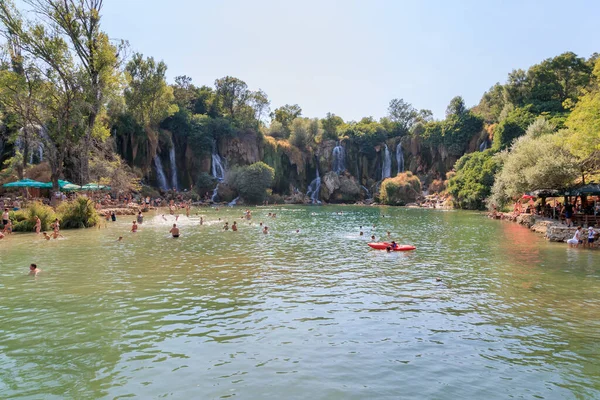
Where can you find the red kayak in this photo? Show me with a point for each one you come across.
(384, 245)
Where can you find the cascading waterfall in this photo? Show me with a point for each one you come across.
(386, 168)
(400, 157)
(173, 169)
(160, 173)
(483, 146)
(366, 191)
(314, 189)
(218, 170)
(338, 159)
(233, 202)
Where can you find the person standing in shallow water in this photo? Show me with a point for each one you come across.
(134, 227)
(234, 226)
(174, 231)
(38, 225)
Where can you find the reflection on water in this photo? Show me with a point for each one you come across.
(314, 314)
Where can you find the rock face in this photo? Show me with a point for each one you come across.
(559, 232)
(339, 188)
(242, 150)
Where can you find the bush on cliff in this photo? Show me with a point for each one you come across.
(403, 189)
(252, 181)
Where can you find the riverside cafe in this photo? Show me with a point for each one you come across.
(33, 188)
(585, 198)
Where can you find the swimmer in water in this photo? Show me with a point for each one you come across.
(266, 230)
(389, 234)
(361, 233)
(34, 270)
(120, 238)
(234, 226)
(261, 224)
(388, 249)
(226, 226)
(38, 224)
(134, 227)
(297, 230)
(372, 237)
(174, 231)
(46, 236)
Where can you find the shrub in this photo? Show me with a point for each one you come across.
(473, 181)
(24, 220)
(78, 213)
(404, 188)
(252, 181)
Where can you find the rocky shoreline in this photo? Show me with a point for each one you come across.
(552, 230)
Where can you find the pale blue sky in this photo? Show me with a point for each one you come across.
(352, 57)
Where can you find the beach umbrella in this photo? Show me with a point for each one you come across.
(61, 184)
(70, 187)
(24, 183)
(95, 186)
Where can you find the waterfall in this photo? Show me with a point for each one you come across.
(173, 169)
(213, 198)
(233, 202)
(218, 170)
(386, 168)
(367, 191)
(218, 165)
(160, 173)
(400, 157)
(314, 189)
(483, 145)
(41, 152)
(338, 159)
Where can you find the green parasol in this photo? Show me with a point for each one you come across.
(25, 183)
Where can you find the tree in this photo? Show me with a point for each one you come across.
(232, 94)
(149, 99)
(330, 125)
(491, 104)
(456, 107)
(472, 183)
(77, 22)
(252, 181)
(403, 114)
(533, 163)
(512, 127)
(285, 115)
(259, 101)
(584, 121)
(60, 92)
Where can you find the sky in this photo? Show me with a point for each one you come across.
(352, 57)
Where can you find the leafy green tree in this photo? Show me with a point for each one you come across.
(533, 163)
(403, 114)
(60, 94)
(584, 121)
(456, 107)
(285, 115)
(252, 181)
(148, 97)
(232, 94)
(472, 183)
(512, 127)
(491, 104)
(330, 124)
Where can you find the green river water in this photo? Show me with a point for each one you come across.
(309, 315)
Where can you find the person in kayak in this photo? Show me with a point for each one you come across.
(394, 245)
